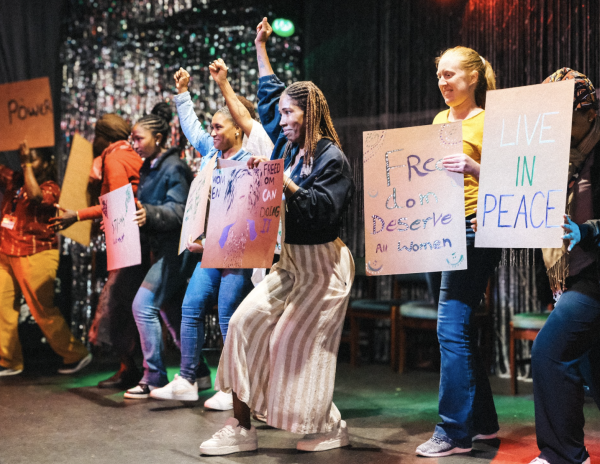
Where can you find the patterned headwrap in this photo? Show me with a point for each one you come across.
(113, 128)
(585, 93)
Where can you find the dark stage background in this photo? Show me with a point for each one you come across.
(373, 61)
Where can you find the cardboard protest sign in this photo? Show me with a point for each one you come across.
(194, 216)
(524, 166)
(26, 113)
(244, 216)
(74, 193)
(414, 208)
(122, 234)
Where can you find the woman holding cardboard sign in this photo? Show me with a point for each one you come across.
(466, 405)
(572, 328)
(207, 286)
(281, 349)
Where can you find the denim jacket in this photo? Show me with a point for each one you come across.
(196, 135)
(163, 192)
(314, 211)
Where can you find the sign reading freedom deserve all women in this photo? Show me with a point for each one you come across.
(524, 166)
(244, 216)
(414, 208)
(194, 217)
(122, 233)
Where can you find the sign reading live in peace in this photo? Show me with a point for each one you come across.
(26, 113)
(243, 222)
(524, 166)
(414, 208)
(194, 217)
(122, 233)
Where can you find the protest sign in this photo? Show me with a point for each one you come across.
(194, 216)
(244, 216)
(74, 193)
(414, 208)
(524, 166)
(122, 233)
(26, 113)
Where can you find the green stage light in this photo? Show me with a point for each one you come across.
(283, 27)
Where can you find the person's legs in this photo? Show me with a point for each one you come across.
(11, 356)
(570, 331)
(235, 285)
(466, 405)
(201, 294)
(36, 274)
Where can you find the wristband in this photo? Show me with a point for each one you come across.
(25, 164)
(77, 214)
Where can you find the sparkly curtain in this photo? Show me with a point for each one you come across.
(120, 57)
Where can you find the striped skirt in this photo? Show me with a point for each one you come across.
(281, 349)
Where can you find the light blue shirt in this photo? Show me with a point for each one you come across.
(197, 136)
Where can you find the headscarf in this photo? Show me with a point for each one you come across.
(113, 128)
(585, 93)
(584, 98)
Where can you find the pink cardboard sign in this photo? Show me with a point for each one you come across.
(244, 216)
(414, 208)
(524, 166)
(26, 113)
(122, 234)
(194, 216)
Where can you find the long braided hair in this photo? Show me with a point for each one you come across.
(312, 102)
(158, 122)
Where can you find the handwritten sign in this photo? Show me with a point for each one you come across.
(524, 166)
(122, 234)
(26, 113)
(414, 208)
(194, 216)
(244, 216)
(74, 191)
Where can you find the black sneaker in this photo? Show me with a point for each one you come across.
(139, 392)
(436, 447)
(76, 366)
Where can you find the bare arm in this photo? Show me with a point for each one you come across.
(263, 32)
(218, 71)
(32, 188)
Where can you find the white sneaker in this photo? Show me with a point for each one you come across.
(481, 436)
(543, 461)
(178, 389)
(7, 371)
(232, 438)
(337, 438)
(220, 401)
(204, 383)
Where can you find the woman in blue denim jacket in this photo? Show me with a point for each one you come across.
(228, 287)
(280, 355)
(164, 184)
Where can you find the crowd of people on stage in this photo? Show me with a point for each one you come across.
(281, 335)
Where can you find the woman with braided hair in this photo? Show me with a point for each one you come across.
(280, 354)
(164, 185)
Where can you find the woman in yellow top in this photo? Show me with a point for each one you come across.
(466, 405)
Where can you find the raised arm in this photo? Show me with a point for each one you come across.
(263, 32)
(192, 128)
(34, 192)
(218, 71)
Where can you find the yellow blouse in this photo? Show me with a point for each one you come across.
(472, 131)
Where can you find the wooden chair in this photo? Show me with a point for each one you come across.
(414, 315)
(371, 308)
(524, 326)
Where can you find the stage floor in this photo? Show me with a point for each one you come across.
(58, 419)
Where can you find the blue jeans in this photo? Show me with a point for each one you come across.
(165, 279)
(570, 332)
(466, 405)
(229, 287)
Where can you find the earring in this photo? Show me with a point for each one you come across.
(157, 144)
(237, 134)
